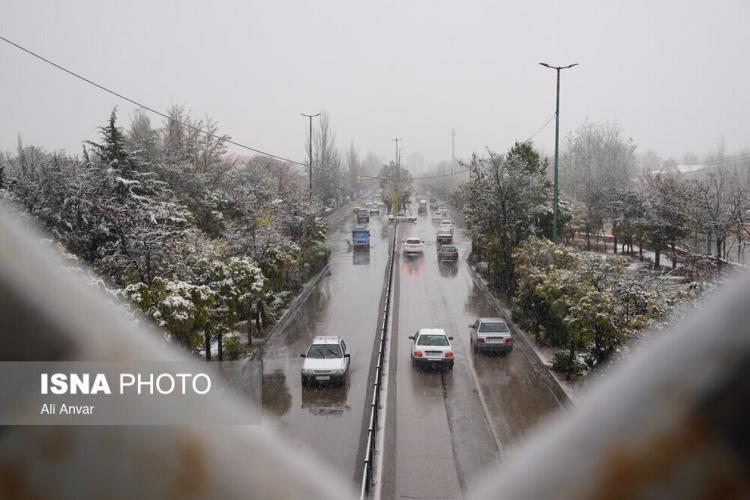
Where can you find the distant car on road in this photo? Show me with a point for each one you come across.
(444, 235)
(363, 215)
(374, 209)
(433, 203)
(402, 217)
(412, 245)
(446, 223)
(448, 253)
(437, 215)
(431, 347)
(422, 207)
(327, 360)
(490, 334)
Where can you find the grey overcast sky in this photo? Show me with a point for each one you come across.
(674, 74)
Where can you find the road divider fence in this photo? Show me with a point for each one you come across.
(367, 466)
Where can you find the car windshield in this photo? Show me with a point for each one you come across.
(448, 249)
(493, 327)
(436, 340)
(413, 241)
(324, 351)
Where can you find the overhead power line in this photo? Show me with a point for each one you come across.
(437, 176)
(148, 108)
(541, 128)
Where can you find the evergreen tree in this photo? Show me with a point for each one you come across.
(112, 149)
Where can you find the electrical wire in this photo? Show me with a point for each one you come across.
(148, 108)
(541, 128)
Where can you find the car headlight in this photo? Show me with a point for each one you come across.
(307, 371)
(338, 371)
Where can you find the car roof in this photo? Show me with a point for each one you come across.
(492, 320)
(414, 238)
(432, 331)
(326, 339)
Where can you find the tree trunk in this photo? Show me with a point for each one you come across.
(220, 340)
(249, 327)
(207, 335)
(674, 256)
(614, 246)
(257, 318)
(719, 242)
(640, 251)
(657, 258)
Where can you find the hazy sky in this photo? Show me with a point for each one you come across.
(674, 74)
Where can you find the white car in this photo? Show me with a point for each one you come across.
(401, 216)
(444, 235)
(446, 223)
(327, 360)
(431, 347)
(490, 334)
(412, 245)
(437, 215)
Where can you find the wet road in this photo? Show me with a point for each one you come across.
(444, 429)
(346, 303)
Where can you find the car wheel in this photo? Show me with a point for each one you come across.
(450, 365)
(474, 348)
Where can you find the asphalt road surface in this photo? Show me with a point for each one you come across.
(329, 419)
(445, 428)
(442, 429)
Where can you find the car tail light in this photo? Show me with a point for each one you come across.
(480, 340)
(417, 354)
(509, 340)
(449, 354)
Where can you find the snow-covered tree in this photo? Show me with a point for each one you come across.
(506, 199)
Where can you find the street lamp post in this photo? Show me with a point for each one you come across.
(398, 155)
(310, 117)
(557, 142)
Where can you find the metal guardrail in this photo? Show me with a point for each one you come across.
(375, 403)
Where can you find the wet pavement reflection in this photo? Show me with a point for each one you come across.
(328, 419)
(451, 425)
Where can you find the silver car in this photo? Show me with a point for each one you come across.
(490, 334)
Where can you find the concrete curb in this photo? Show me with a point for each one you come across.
(294, 305)
(334, 217)
(563, 395)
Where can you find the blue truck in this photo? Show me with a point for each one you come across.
(360, 237)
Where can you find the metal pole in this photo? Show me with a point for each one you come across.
(398, 155)
(310, 117)
(557, 141)
(555, 192)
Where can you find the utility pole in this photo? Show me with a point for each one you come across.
(398, 154)
(453, 145)
(555, 195)
(311, 157)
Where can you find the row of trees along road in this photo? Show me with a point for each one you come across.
(584, 304)
(656, 210)
(200, 240)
